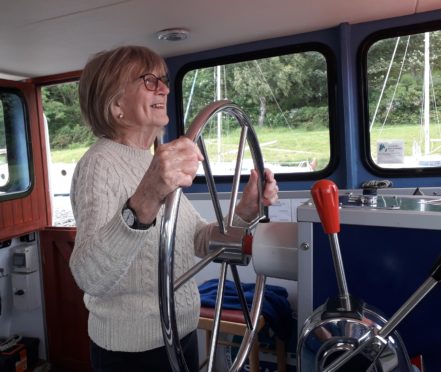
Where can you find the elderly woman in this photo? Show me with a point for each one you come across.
(118, 190)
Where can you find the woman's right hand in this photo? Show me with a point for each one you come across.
(174, 165)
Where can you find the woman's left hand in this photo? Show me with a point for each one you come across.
(248, 207)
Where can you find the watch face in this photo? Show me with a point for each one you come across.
(128, 217)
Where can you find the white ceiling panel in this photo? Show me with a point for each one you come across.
(42, 37)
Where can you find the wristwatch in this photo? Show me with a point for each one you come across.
(131, 219)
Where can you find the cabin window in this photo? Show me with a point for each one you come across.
(403, 93)
(15, 171)
(286, 98)
(69, 138)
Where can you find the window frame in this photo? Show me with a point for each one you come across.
(331, 64)
(365, 144)
(44, 83)
(26, 139)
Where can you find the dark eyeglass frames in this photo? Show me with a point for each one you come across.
(151, 81)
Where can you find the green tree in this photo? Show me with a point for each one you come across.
(402, 76)
(62, 110)
(286, 91)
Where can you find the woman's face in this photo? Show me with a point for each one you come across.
(144, 109)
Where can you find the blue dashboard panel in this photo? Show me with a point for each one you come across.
(384, 266)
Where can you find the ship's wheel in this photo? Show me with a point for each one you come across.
(232, 246)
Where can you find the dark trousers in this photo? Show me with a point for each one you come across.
(145, 361)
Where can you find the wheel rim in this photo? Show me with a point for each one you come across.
(167, 283)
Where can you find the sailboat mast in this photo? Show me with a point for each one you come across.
(426, 86)
(219, 115)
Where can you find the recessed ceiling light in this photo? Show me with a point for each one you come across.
(173, 34)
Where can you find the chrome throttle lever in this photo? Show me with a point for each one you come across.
(373, 345)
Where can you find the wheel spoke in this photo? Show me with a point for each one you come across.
(237, 172)
(242, 299)
(198, 267)
(217, 315)
(211, 185)
(250, 334)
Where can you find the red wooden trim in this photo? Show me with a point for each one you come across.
(44, 154)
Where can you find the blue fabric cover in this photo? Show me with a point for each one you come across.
(275, 307)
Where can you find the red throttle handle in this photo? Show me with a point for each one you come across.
(325, 195)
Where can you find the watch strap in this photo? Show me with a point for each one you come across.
(143, 226)
(136, 224)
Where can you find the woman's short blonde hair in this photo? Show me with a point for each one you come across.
(103, 80)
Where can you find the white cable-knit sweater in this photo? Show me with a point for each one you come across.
(117, 267)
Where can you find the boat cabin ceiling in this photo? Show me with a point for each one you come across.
(46, 37)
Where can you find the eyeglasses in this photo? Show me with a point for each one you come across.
(151, 81)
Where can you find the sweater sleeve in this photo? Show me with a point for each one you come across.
(104, 246)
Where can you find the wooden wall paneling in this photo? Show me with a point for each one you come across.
(66, 315)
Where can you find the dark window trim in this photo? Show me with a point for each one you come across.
(268, 53)
(366, 157)
(10, 195)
